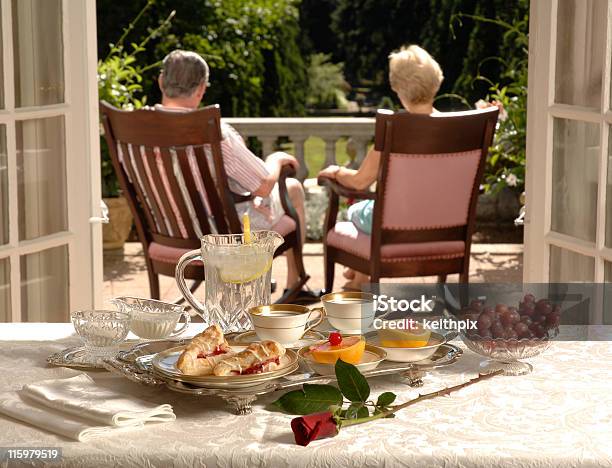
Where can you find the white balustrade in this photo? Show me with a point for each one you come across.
(359, 130)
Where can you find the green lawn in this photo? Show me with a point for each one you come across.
(314, 152)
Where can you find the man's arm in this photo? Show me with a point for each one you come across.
(274, 164)
(248, 170)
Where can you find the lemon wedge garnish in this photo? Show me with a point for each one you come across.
(243, 268)
(246, 228)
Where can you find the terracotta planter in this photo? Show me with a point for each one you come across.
(115, 233)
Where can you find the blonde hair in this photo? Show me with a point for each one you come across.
(414, 75)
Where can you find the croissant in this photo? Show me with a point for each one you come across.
(255, 359)
(204, 352)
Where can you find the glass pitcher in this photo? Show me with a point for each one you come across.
(237, 277)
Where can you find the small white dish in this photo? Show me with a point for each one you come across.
(371, 359)
(152, 319)
(409, 354)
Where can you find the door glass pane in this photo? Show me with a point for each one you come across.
(44, 286)
(574, 178)
(38, 52)
(609, 194)
(580, 51)
(581, 25)
(5, 290)
(4, 220)
(41, 169)
(567, 266)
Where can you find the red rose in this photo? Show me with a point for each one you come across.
(313, 426)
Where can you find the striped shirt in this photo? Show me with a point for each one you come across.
(245, 172)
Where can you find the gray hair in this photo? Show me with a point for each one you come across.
(182, 72)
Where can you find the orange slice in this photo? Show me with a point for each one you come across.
(350, 350)
(416, 338)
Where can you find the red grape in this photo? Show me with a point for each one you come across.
(522, 330)
(538, 318)
(497, 330)
(529, 298)
(543, 307)
(526, 319)
(476, 305)
(538, 330)
(510, 334)
(490, 311)
(501, 309)
(513, 315)
(528, 309)
(484, 322)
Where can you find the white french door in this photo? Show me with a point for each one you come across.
(50, 261)
(568, 228)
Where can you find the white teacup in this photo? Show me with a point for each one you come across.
(284, 323)
(350, 312)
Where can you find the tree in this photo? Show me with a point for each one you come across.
(252, 47)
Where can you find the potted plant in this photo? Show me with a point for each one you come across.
(119, 83)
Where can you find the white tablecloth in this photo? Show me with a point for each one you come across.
(559, 415)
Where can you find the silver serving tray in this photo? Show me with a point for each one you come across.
(75, 357)
(136, 365)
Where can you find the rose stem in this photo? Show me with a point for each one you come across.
(426, 396)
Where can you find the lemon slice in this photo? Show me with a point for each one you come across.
(244, 268)
(416, 338)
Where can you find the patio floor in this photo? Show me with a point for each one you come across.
(125, 272)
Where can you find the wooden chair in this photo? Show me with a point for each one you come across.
(160, 158)
(425, 201)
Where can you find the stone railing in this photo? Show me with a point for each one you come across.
(359, 130)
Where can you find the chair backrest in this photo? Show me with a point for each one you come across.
(430, 173)
(160, 158)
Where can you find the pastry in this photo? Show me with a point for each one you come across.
(204, 352)
(255, 359)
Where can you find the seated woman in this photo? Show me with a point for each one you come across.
(416, 77)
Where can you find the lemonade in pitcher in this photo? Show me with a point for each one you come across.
(238, 273)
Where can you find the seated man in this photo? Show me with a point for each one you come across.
(183, 83)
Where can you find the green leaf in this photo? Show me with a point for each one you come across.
(312, 399)
(352, 384)
(385, 399)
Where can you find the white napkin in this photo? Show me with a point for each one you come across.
(79, 409)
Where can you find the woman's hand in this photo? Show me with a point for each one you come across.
(330, 172)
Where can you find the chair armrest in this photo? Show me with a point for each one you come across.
(287, 171)
(345, 191)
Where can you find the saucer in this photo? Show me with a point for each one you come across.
(246, 338)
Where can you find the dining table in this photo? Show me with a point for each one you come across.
(560, 414)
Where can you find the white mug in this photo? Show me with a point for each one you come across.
(285, 323)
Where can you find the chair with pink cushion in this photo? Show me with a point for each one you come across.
(170, 169)
(425, 199)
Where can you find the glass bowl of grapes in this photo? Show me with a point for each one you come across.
(509, 334)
